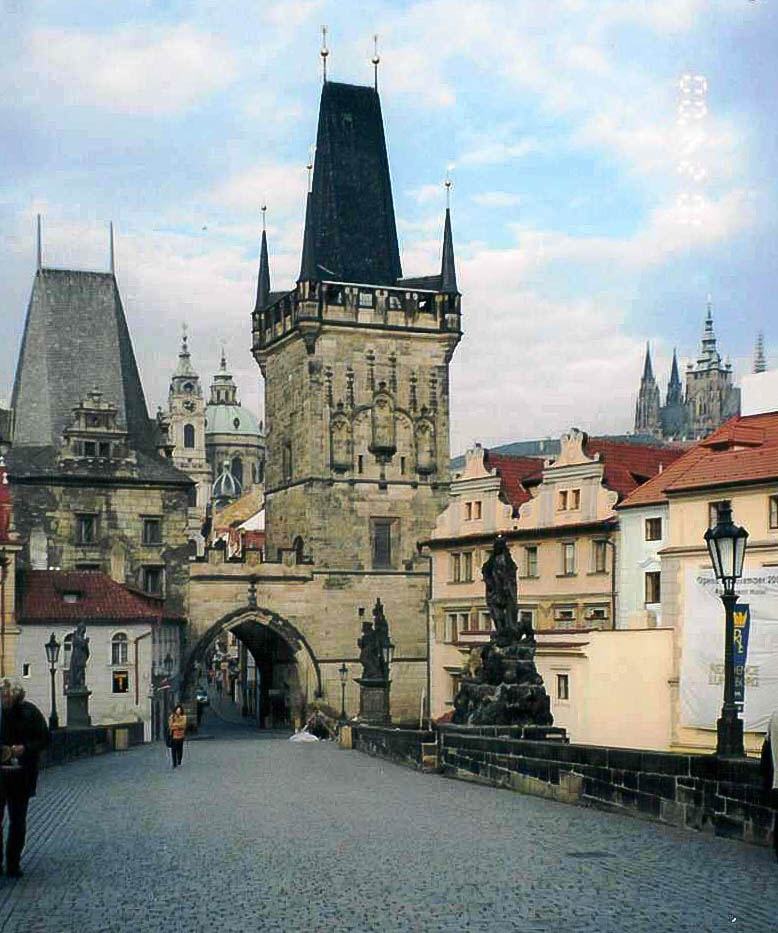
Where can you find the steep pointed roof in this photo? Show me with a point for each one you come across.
(648, 371)
(184, 367)
(350, 229)
(75, 337)
(448, 272)
(263, 279)
(675, 379)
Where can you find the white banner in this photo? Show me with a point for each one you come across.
(702, 664)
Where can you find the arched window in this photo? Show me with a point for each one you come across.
(119, 648)
(237, 469)
(189, 436)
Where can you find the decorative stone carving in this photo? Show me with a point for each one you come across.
(383, 441)
(341, 446)
(424, 431)
(505, 688)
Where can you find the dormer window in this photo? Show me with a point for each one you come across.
(71, 596)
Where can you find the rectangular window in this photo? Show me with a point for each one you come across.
(26, 669)
(86, 529)
(575, 499)
(152, 531)
(653, 589)
(120, 681)
(562, 501)
(484, 620)
(468, 511)
(653, 529)
(563, 686)
(477, 510)
(89, 449)
(152, 580)
(88, 566)
(774, 511)
(402, 466)
(360, 463)
(450, 633)
(527, 616)
(568, 558)
(382, 542)
(105, 449)
(599, 555)
(455, 567)
(564, 614)
(531, 561)
(713, 510)
(467, 566)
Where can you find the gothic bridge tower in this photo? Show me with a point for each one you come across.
(355, 359)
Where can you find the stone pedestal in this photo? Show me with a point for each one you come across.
(507, 691)
(78, 708)
(374, 700)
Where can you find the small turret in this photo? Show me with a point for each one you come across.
(263, 280)
(760, 363)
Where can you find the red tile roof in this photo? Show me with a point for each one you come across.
(627, 465)
(512, 471)
(744, 450)
(99, 599)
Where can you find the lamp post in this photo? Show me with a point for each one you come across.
(727, 548)
(387, 654)
(52, 656)
(343, 671)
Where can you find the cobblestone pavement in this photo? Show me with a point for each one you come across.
(255, 833)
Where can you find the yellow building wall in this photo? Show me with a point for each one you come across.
(688, 521)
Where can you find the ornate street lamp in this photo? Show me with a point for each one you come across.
(343, 671)
(167, 663)
(387, 654)
(52, 656)
(727, 548)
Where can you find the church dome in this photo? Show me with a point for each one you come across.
(226, 485)
(223, 418)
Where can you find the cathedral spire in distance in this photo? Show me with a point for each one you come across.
(647, 416)
(674, 387)
(760, 363)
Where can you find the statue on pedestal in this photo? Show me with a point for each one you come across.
(79, 655)
(503, 686)
(370, 653)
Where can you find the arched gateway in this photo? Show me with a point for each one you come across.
(281, 652)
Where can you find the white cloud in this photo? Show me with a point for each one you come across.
(495, 151)
(497, 199)
(136, 69)
(281, 186)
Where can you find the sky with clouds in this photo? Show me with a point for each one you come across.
(599, 196)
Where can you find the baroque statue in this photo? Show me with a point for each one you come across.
(79, 655)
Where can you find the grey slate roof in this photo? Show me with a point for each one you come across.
(75, 338)
(350, 232)
(39, 463)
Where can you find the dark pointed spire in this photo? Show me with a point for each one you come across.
(39, 265)
(263, 280)
(448, 272)
(675, 379)
(648, 371)
(307, 263)
(350, 231)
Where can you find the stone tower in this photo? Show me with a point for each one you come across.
(710, 396)
(186, 411)
(647, 408)
(355, 360)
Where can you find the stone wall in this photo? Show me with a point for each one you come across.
(403, 746)
(68, 744)
(699, 792)
(693, 791)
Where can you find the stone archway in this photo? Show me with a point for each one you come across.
(294, 638)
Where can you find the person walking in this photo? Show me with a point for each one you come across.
(23, 736)
(770, 770)
(177, 727)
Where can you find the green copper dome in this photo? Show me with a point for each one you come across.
(230, 419)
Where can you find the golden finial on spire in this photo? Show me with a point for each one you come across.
(324, 52)
(376, 59)
(264, 211)
(448, 183)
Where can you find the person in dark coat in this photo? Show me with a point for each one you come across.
(23, 736)
(770, 770)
